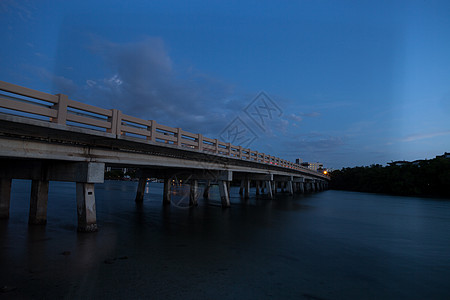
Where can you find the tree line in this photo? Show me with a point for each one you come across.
(424, 178)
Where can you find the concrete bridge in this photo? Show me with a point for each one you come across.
(45, 137)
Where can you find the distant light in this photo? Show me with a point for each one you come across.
(325, 172)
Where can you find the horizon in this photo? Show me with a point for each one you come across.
(337, 83)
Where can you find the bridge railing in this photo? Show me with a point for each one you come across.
(25, 102)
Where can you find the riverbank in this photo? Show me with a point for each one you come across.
(426, 178)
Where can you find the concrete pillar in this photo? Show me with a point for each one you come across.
(283, 187)
(141, 189)
(241, 188)
(229, 189)
(246, 188)
(313, 186)
(87, 216)
(38, 202)
(301, 187)
(257, 183)
(207, 188)
(274, 187)
(289, 188)
(193, 199)
(224, 194)
(5, 197)
(269, 189)
(166, 192)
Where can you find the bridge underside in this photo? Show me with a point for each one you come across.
(54, 152)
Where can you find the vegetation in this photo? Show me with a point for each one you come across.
(423, 178)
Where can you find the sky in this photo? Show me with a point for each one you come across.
(345, 83)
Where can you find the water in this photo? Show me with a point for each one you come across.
(328, 245)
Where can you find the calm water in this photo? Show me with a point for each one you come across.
(328, 245)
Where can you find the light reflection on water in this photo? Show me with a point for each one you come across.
(328, 245)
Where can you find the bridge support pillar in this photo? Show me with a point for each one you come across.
(166, 192)
(246, 188)
(306, 187)
(313, 186)
(38, 202)
(301, 187)
(224, 193)
(206, 190)
(193, 199)
(257, 183)
(290, 188)
(241, 188)
(87, 217)
(5, 197)
(274, 187)
(269, 189)
(141, 189)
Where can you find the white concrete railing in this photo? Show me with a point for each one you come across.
(62, 110)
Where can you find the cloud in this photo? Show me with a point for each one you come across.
(417, 137)
(314, 142)
(311, 114)
(143, 81)
(22, 9)
(299, 117)
(58, 83)
(295, 117)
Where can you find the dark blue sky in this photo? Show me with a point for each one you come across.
(356, 82)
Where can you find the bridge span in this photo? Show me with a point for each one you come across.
(45, 137)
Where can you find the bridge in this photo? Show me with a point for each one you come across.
(46, 137)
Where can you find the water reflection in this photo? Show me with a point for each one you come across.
(328, 245)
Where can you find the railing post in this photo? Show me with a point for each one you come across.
(240, 152)
(216, 142)
(61, 107)
(153, 131)
(149, 129)
(200, 142)
(229, 149)
(116, 122)
(179, 136)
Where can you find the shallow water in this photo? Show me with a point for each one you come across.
(327, 245)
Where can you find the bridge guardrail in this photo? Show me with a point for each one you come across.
(25, 102)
